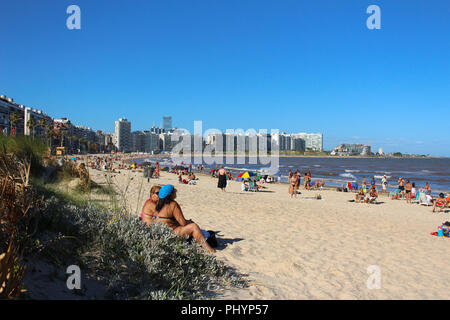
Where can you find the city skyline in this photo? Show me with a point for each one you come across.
(295, 66)
(126, 139)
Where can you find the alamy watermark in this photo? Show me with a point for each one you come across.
(374, 280)
(234, 146)
(374, 20)
(74, 280)
(74, 20)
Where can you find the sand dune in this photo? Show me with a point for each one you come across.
(312, 249)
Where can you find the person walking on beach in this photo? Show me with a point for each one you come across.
(401, 184)
(157, 170)
(279, 175)
(293, 183)
(384, 184)
(222, 174)
(408, 188)
(289, 180)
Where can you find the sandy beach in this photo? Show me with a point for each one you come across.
(311, 249)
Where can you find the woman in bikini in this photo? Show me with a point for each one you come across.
(149, 206)
(168, 211)
(293, 181)
(440, 202)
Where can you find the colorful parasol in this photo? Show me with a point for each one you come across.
(246, 174)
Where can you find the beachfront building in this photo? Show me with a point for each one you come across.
(157, 130)
(351, 149)
(22, 116)
(122, 135)
(165, 142)
(312, 141)
(100, 140)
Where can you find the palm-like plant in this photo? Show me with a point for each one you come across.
(31, 124)
(63, 134)
(49, 132)
(14, 119)
(42, 124)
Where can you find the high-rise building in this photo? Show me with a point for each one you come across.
(167, 123)
(313, 141)
(122, 135)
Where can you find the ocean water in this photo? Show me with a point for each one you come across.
(337, 171)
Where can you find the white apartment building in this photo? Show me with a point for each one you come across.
(313, 141)
(122, 135)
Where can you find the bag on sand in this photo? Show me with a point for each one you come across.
(212, 241)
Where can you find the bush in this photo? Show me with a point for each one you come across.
(140, 262)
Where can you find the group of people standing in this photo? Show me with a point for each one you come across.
(295, 180)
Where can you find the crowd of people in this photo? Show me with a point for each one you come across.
(161, 205)
(294, 180)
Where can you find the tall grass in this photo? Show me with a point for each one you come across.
(16, 203)
(24, 147)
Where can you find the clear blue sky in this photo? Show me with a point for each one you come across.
(297, 66)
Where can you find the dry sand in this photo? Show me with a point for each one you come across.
(311, 249)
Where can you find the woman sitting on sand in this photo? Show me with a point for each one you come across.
(148, 210)
(373, 195)
(440, 202)
(168, 211)
(360, 195)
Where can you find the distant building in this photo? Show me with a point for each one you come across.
(380, 151)
(349, 149)
(122, 135)
(312, 141)
(167, 123)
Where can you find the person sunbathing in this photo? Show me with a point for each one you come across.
(373, 195)
(440, 202)
(148, 210)
(168, 211)
(448, 199)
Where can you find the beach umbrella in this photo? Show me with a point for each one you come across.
(246, 174)
(165, 169)
(179, 168)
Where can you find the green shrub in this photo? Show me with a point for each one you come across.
(140, 262)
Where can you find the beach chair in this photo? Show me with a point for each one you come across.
(252, 186)
(349, 186)
(424, 200)
(355, 186)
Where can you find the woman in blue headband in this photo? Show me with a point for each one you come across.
(168, 211)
